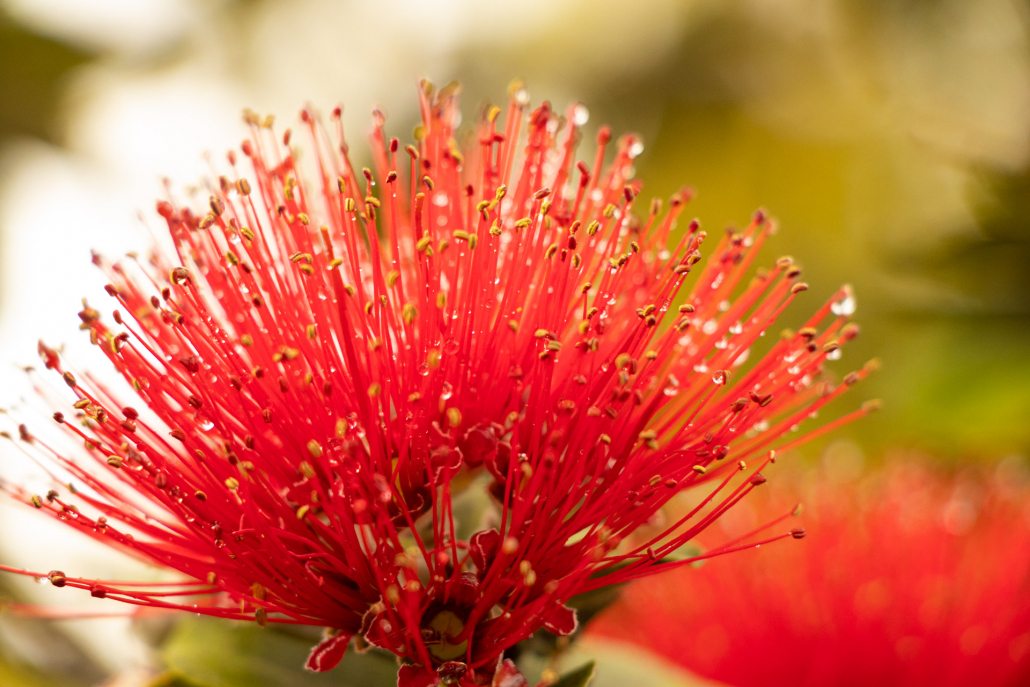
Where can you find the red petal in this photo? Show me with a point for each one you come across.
(483, 548)
(328, 653)
(444, 458)
(507, 675)
(464, 590)
(479, 443)
(416, 676)
(561, 620)
(497, 463)
(383, 634)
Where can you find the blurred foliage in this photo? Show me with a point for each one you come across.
(212, 653)
(609, 663)
(577, 677)
(37, 652)
(19, 676)
(13, 677)
(203, 652)
(32, 72)
(950, 360)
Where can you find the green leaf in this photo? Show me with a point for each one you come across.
(212, 653)
(618, 664)
(579, 677)
(170, 680)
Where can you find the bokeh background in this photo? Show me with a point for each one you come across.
(891, 138)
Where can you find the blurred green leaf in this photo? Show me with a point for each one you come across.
(612, 664)
(579, 677)
(17, 676)
(212, 653)
(171, 680)
(34, 651)
(591, 603)
(31, 72)
(472, 506)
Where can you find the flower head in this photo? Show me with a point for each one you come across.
(331, 355)
(909, 578)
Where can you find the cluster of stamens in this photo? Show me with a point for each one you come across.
(331, 357)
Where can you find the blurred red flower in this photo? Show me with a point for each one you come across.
(909, 578)
(331, 355)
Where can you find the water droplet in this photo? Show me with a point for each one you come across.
(580, 115)
(844, 307)
(710, 326)
(672, 387)
(834, 354)
(742, 358)
(446, 391)
(636, 148)
(719, 377)
(423, 369)
(450, 347)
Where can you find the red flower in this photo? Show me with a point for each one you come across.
(908, 579)
(331, 355)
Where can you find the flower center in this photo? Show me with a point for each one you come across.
(448, 625)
